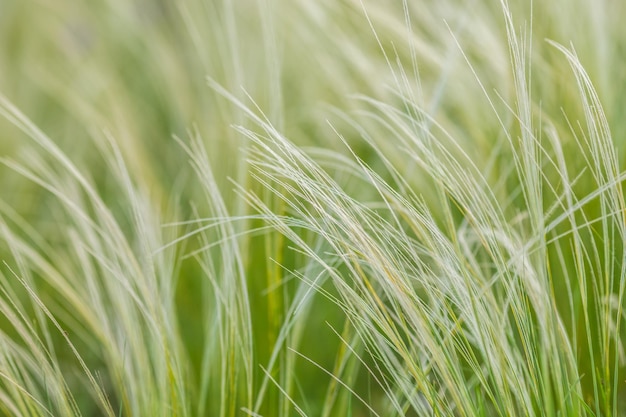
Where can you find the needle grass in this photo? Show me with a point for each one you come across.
(274, 208)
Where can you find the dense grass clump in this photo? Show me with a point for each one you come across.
(315, 208)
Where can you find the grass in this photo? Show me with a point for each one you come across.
(326, 208)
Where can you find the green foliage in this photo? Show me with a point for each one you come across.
(286, 207)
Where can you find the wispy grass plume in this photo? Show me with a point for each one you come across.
(274, 208)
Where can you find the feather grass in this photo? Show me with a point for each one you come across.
(330, 208)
